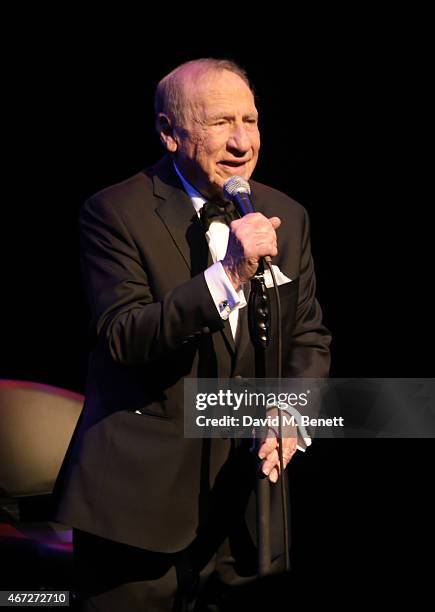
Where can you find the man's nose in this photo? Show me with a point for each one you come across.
(239, 139)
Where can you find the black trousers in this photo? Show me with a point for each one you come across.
(222, 557)
(112, 576)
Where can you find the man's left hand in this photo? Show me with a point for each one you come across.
(269, 451)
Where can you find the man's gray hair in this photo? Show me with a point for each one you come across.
(170, 96)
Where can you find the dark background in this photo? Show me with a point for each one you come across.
(344, 121)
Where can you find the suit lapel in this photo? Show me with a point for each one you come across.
(177, 213)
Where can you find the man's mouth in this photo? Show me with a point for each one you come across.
(233, 164)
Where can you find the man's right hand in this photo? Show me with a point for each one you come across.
(251, 237)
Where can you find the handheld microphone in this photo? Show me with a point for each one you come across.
(238, 190)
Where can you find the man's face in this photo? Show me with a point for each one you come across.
(220, 138)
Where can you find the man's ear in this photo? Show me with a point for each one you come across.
(166, 131)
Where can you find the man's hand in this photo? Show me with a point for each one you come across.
(251, 237)
(269, 451)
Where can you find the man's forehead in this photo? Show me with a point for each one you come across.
(214, 83)
(215, 95)
(215, 108)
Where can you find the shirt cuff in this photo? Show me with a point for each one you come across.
(225, 297)
(304, 439)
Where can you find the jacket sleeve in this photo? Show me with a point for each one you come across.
(310, 356)
(135, 327)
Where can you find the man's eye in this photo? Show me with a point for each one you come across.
(220, 122)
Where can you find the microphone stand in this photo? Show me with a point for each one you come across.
(259, 329)
(259, 320)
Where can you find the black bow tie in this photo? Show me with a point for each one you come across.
(218, 211)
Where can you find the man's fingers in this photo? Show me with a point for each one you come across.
(271, 443)
(271, 465)
(289, 446)
(267, 447)
(276, 222)
(270, 462)
(274, 475)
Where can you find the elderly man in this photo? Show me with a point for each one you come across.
(161, 521)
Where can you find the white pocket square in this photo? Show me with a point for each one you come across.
(281, 278)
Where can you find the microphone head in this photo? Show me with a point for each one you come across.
(236, 184)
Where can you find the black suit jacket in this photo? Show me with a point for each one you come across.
(133, 477)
